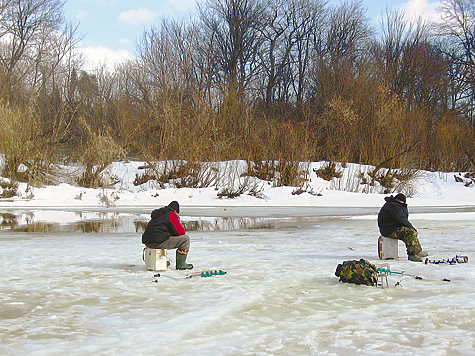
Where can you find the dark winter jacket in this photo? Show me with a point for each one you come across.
(392, 216)
(164, 223)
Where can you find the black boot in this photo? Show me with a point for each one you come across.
(181, 260)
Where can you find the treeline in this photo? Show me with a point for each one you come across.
(262, 81)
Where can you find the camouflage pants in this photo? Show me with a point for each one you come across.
(409, 237)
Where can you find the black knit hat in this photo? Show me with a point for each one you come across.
(175, 206)
(401, 197)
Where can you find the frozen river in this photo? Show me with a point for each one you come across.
(74, 283)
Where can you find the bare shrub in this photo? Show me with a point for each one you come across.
(306, 189)
(405, 181)
(350, 179)
(15, 141)
(247, 185)
(143, 178)
(27, 156)
(467, 179)
(293, 174)
(8, 188)
(328, 171)
(347, 178)
(453, 144)
(366, 179)
(99, 153)
(280, 173)
(385, 179)
(180, 174)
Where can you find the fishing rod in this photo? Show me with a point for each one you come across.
(403, 273)
(202, 274)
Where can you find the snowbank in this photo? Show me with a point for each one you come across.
(429, 189)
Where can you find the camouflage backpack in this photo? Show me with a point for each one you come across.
(358, 272)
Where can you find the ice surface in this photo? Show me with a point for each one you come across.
(70, 293)
(66, 292)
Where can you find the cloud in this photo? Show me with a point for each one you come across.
(102, 56)
(422, 8)
(139, 16)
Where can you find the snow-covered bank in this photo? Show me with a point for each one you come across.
(429, 189)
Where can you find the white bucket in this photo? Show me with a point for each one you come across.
(155, 259)
(387, 248)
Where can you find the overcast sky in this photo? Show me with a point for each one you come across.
(111, 28)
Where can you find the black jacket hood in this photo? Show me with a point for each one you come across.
(392, 199)
(157, 212)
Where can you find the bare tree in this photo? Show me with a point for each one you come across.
(415, 69)
(347, 33)
(23, 25)
(205, 66)
(340, 51)
(233, 27)
(398, 36)
(284, 54)
(3, 6)
(310, 18)
(166, 56)
(458, 27)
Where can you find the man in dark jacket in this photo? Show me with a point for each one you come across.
(393, 223)
(164, 230)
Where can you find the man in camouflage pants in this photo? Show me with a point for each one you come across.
(393, 223)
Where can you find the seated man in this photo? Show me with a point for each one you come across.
(164, 230)
(393, 222)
